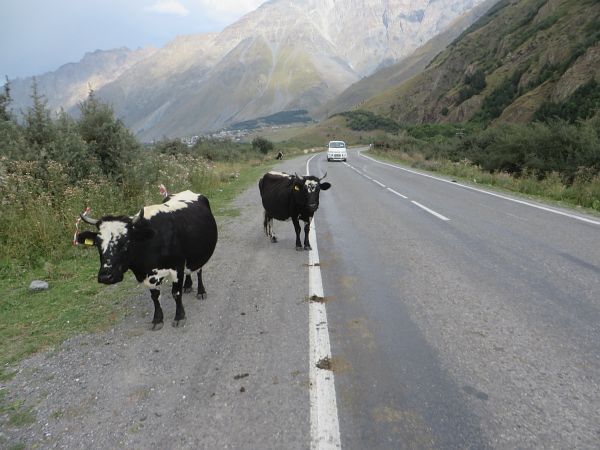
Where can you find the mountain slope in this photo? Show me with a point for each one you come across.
(397, 73)
(71, 83)
(286, 55)
(505, 67)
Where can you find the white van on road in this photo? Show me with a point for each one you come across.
(336, 151)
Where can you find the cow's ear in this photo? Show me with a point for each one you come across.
(87, 238)
(140, 234)
(324, 186)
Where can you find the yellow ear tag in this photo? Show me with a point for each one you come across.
(296, 188)
(88, 242)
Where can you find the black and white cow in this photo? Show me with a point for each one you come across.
(287, 196)
(165, 240)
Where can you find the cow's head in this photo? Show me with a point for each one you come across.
(306, 191)
(114, 239)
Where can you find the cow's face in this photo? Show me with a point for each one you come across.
(306, 192)
(113, 240)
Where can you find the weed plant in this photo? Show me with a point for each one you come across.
(556, 160)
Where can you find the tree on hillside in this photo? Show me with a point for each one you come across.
(108, 140)
(70, 148)
(39, 128)
(263, 145)
(5, 102)
(172, 147)
(12, 142)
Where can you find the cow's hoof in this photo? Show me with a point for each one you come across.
(274, 240)
(178, 323)
(307, 247)
(187, 290)
(299, 249)
(202, 296)
(157, 326)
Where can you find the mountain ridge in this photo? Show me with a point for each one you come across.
(524, 53)
(285, 55)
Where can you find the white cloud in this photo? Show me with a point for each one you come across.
(230, 7)
(169, 7)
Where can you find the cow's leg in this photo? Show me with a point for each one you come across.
(268, 224)
(201, 295)
(157, 320)
(179, 319)
(297, 228)
(306, 231)
(187, 286)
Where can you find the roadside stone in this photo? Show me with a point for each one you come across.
(38, 285)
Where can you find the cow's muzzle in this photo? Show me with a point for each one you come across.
(109, 277)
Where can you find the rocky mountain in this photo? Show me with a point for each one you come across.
(286, 55)
(521, 57)
(395, 74)
(68, 85)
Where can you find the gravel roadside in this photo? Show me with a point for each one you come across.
(236, 376)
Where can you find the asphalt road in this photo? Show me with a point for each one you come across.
(458, 319)
(477, 327)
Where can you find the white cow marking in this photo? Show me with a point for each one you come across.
(280, 174)
(158, 275)
(311, 185)
(178, 201)
(110, 232)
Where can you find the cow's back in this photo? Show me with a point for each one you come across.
(276, 195)
(185, 229)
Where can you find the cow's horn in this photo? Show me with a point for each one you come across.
(323, 177)
(139, 216)
(88, 219)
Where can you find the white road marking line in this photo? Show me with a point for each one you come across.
(493, 194)
(354, 168)
(430, 211)
(324, 423)
(396, 193)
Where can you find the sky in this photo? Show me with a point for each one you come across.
(38, 36)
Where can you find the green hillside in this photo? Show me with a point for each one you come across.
(523, 60)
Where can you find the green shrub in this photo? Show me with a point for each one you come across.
(262, 145)
(499, 98)
(362, 120)
(474, 84)
(171, 147)
(537, 149)
(581, 104)
(223, 150)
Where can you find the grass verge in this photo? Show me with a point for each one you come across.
(75, 303)
(583, 195)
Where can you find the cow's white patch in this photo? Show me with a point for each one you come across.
(111, 232)
(280, 174)
(176, 202)
(311, 185)
(158, 275)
